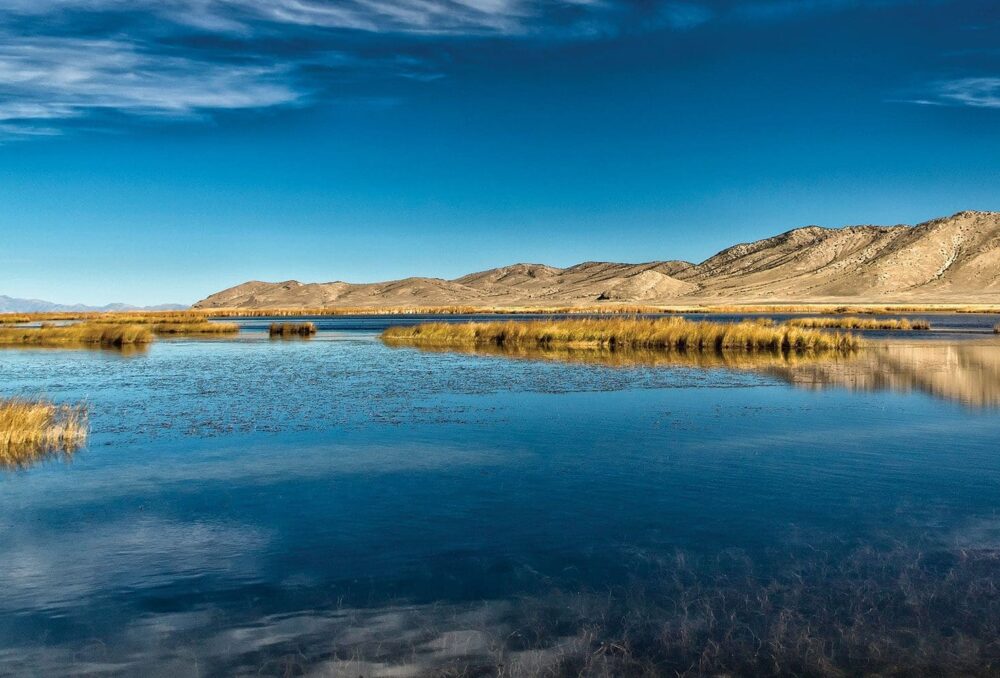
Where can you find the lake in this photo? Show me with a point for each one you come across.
(335, 506)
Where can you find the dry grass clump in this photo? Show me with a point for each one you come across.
(996, 329)
(203, 327)
(144, 318)
(9, 319)
(83, 334)
(33, 429)
(626, 333)
(292, 329)
(855, 323)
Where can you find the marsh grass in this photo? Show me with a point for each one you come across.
(665, 334)
(194, 328)
(855, 323)
(82, 334)
(996, 329)
(292, 329)
(9, 319)
(605, 309)
(31, 430)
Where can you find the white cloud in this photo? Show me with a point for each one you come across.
(47, 78)
(976, 92)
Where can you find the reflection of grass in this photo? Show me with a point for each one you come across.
(33, 429)
(626, 333)
(637, 357)
(204, 327)
(83, 334)
(292, 329)
(855, 323)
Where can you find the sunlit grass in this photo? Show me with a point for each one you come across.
(203, 327)
(292, 329)
(855, 323)
(626, 333)
(12, 319)
(31, 430)
(82, 334)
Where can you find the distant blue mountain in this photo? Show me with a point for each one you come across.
(12, 305)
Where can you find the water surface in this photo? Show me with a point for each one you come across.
(335, 506)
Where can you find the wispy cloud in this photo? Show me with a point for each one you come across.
(67, 60)
(51, 78)
(976, 92)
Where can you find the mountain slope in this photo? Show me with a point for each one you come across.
(15, 305)
(955, 258)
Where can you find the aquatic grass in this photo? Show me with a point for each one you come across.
(195, 328)
(292, 329)
(82, 334)
(9, 319)
(31, 430)
(626, 333)
(855, 323)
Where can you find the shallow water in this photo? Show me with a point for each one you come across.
(339, 507)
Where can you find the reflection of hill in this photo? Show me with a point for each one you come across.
(967, 372)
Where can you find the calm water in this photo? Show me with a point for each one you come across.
(337, 507)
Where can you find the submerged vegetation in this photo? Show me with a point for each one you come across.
(855, 323)
(82, 334)
(670, 334)
(292, 329)
(33, 429)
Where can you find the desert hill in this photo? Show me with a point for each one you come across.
(955, 258)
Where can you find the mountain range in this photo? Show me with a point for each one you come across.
(954, 259)
(15, 305)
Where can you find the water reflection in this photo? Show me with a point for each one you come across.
(967, 372)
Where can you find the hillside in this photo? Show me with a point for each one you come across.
(956, 258)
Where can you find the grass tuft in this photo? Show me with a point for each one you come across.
(82, 334)
(855, 323)
(292, 329)
(203, 327)
(31, 430)
(671, 334)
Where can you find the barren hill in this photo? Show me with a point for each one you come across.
(955, 258)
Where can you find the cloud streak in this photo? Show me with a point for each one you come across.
(66, 61)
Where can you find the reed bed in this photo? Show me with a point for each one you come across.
(83, 334)
(31, 430)
(292, 329)
(9, 319)
(605, 309)
(173, 317)
(670, 334)
(855, 323)
(194, 328)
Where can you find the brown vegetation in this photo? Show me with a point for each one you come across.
(33, 429)
(193, 328)
(82, 334)
(625, 333)
(854, 323)
(292, 329)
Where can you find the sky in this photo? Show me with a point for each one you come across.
(156, 151)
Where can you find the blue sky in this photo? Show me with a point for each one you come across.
(159, 150)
